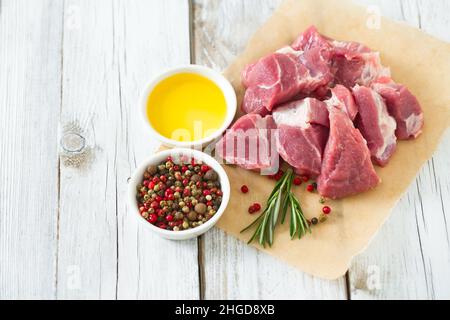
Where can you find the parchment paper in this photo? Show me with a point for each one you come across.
(417, 60)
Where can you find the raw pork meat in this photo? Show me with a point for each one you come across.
(352, 62)
(311, 38)
(403, 106)
(302, 134)
(375, 124)
(346, 168)
(358, 68)
(344, 95)
(302, 112)
(250, 144)
(281, 76)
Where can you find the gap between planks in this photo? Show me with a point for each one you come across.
(58, 213)
(200, 239)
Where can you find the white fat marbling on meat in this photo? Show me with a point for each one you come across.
(373, 69)
(413, 124)
(289, 50)
(275, 83)
(293, 115)
(388, 125)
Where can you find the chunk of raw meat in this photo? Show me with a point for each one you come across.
(375, 124)
(301, 113)
(362, 70)
(403, 106)
(352, 63)
(281, 76)
(250, 144)
(302, 134)
(346, 168)
(311, 38)
(302, 147)
(344, 95)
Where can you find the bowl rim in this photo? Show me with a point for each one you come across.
(224, 85)
(198, 155)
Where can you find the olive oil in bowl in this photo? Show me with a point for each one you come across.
(186, 107)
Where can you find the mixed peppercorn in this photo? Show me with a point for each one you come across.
(178, 197)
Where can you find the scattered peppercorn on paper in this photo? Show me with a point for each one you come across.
(418, 61)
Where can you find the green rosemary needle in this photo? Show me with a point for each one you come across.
(278, 204)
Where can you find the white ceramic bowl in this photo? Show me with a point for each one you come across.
(175, 153)
(217, 78)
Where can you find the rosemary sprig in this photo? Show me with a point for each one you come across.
(278, 203)
(299, 224)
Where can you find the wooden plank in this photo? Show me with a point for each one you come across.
(230, 268)
(30, 37)
(410, 257)
(152, 35)
(111, 49)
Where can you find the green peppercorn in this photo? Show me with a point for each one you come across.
(156, 188)
(161, 168)
(322, 200)
(169, 164)
(185, 225)
(322, 218)
(185, 209)
(146, 197)
(145, 215)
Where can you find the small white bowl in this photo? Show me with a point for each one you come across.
(175, 153)
(216, 77)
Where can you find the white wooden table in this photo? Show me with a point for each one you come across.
(74, 68)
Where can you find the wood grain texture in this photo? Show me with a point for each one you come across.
(111, 49)
(30, 60)
(152, 36)
(410, 256)
(230, 268)
(65, 229)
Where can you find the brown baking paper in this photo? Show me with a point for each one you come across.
(417, 60)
